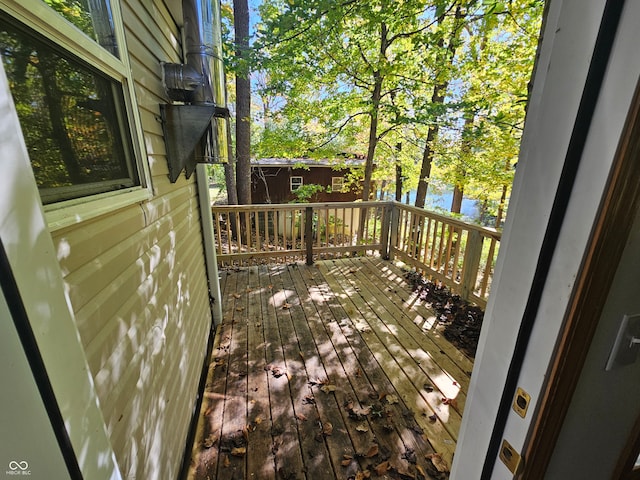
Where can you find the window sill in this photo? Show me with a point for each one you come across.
(72, 212)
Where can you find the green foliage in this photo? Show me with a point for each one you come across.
(306, 193)
(324, 61)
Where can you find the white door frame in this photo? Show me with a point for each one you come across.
(32, 259)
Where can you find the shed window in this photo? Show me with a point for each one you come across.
(296, 183)
(72, 112)
(337, 184)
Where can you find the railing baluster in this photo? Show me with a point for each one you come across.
(427, 244)
(448, 250)
(456, 256)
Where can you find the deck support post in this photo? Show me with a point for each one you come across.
(471, 264)
(308, 234)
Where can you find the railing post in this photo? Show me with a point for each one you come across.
(393, 230)
(471, 263)
(308, 234)
(384, 235)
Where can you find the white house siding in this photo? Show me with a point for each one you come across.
(137, 284)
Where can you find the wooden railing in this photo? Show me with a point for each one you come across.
(459, 254)
(293, 231)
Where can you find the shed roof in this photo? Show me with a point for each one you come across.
(308, 162)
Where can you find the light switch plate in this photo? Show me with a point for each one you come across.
(624, 351)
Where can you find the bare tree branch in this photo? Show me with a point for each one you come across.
(339, 130)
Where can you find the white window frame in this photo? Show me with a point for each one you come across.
(46, 21)
(298, 185)
(337, 180)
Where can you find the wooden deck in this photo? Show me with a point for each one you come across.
(327, 372)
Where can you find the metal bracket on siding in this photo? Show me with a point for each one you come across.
(183, 127)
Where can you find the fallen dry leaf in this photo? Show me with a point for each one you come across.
(226, 462)
(373, 451)
(286, 305)
(238, 451)
(392, 399)
(327, 428)
(361, 411)
(245, 432)
(438, 462)
(258, 420)
(361, 475)
(301, 417)
(362, 428)
(239, 309)
(433, 418)
(382, 468)
(328, 388)
(345, 462)
(210, 440)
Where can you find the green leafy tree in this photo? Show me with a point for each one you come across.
(433, 92)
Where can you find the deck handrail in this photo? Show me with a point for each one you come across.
(459, 254)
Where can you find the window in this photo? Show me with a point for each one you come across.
(337, 184)
(92, 17)
(295, 182)
(72, 110)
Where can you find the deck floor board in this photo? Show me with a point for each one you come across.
(324, 371)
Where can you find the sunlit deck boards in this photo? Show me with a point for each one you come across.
(320, 372)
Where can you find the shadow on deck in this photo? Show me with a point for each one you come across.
(332, 371)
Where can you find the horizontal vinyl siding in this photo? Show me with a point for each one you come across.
(137, 283)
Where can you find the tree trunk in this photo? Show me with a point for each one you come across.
(456, 202)
(373, 136)
(229, 180)
(230, 174)
(437, 98)
(383, 185)
(465, 154)
(503, 198)
(243, 102)
(427, 160)
(376, 95)
(398, 182)
(398, 173)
